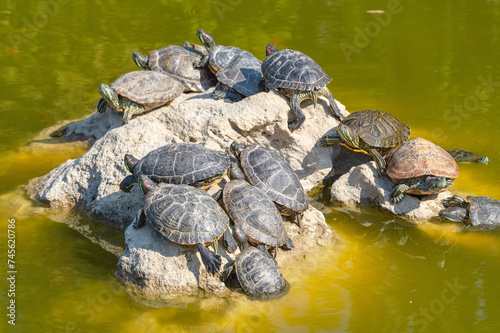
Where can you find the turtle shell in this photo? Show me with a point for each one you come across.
(182, 163)
(377, 128)
(484, 212)
(419, 157)
(178, 61)
(185, 214)
(259, 274)
(237, 68)
(293, 70)
(252, 210)
(148, 88)
(267, 170)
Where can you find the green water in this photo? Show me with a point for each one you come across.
(434, 65)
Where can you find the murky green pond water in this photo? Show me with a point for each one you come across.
(433, 64)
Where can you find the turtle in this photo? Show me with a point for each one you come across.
(299, 77)
(185, 215)
(178, 62)
(138, 91)
(463, 156)
(258, 274)
(255, 215)
(420, 167)
(479, 212)
(178, 163)
(267, 170)
(372, 132)
(238, 71)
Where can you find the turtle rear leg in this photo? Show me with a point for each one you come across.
(223, 91)
(211, 260)
(295, 101)
(324, 91)
(379, 161)
(129, 109)
(399, 192)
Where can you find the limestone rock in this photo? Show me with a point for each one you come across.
(361, 185)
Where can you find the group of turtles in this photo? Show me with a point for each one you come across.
(245, 213)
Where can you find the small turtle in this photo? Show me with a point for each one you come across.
(254, 215)
(258, 274)
(420, 167)
(371, 132)
(185, 215)
(481, 213)
(267, 170)
(463, 156)
(299, 77)
(238, 71)
(178, 163)
(178, 62)
(138, 91)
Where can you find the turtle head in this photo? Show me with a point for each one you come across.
(206, 39)
(348, 136)
(454, 214)
(270, 49)
(130, 162)
(145, 184)
(236, 148)
(141, 60)
(437, 184)
(109, 96)
(241, 238)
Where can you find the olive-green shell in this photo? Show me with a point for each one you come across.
(148, 88)
(377, 128)
(267, 170)
(252, 210)
(419, 157)
(185, 214)
(259, 274)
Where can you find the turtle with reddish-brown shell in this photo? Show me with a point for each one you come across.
(420, 167)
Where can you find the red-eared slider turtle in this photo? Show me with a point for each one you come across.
(178, 61)
(371, 132)
(254, 214)
(420, 167)
(481, 213)
(238, 71)
(258, 274)
(299, 77)
(138, 91)
(178, 163)
(267, 170)
(463, 156)
(185, 215)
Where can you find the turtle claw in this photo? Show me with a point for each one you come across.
(211, 260)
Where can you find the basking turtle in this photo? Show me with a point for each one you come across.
(138, 91)
(420, 167)
(267, 170)
(463, 156)
(299, 77)
(255, 216)
(371, 132)
(238, 71)
(178, 62)
(185, 215)
(178, 163)
(258, 274)
(480, 212)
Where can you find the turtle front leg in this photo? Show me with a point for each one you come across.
(200, 63)
(295, 101)
(129, 109)
(211, 260)
(455, 201)
(379, 161)
(399, 192)
(102, 105)
(140, 219)
(223, 91)
(324, 91)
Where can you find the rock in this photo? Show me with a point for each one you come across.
(361, 185)
(91, 181)
(160, 270)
